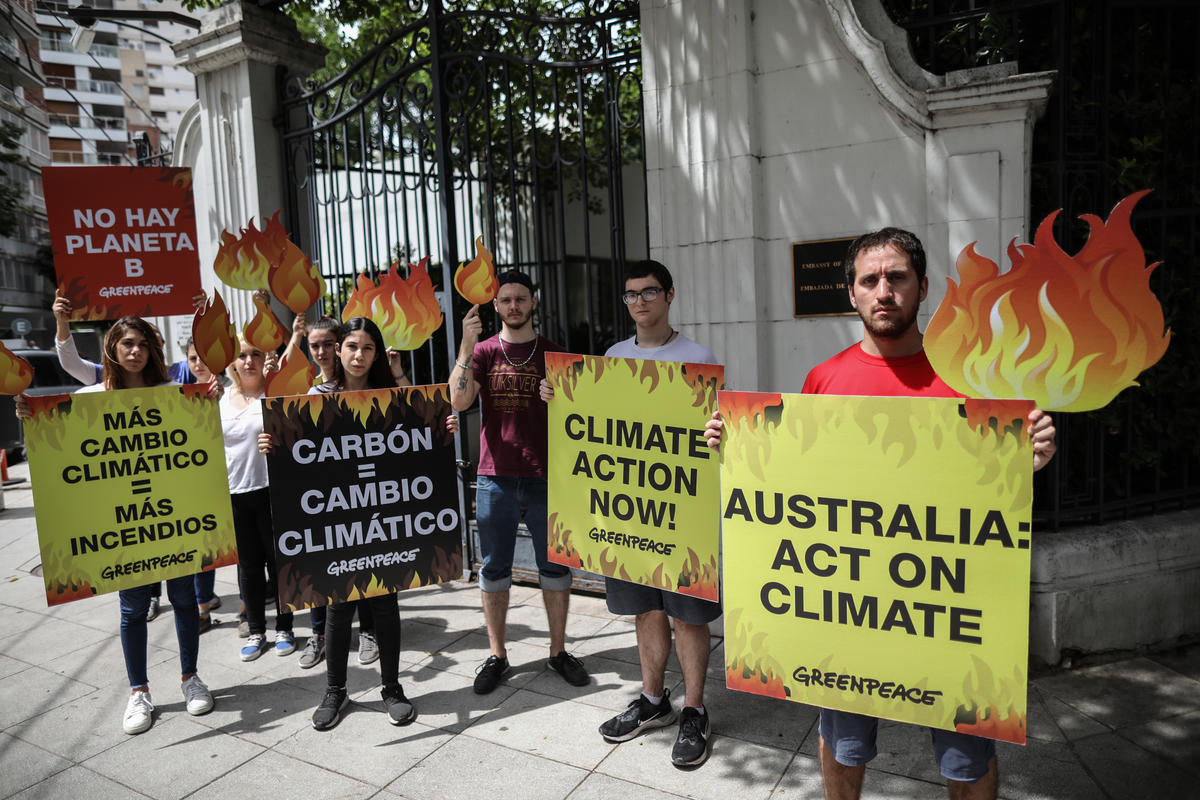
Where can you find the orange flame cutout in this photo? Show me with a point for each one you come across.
(295, 376)
(1068, 332)
(214, 335)
(294, 279)
(405, 309)
(264, 331)
(476, 281)
(698, 580)
(15, 372)
(980, 714)
(243, 261)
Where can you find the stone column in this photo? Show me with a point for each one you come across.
(230, 135)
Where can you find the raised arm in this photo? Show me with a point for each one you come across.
(76, 366)
(463, 388)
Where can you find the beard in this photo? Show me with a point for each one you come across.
(892, 328)
(516, 323)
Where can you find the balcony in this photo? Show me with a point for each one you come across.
(76, 157)
(84, 121)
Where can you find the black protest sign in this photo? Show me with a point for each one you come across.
(364, 493)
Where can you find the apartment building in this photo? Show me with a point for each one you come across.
(26, 276)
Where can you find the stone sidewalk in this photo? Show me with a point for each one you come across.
(1127, 729)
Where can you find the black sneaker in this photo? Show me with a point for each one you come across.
(399, 709)
(639, 717)
(488, 676)
(330, 710)
(570, 667)
(691, 745)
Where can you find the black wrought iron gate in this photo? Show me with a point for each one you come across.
(523, 129)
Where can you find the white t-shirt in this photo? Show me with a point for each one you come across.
(680, 348)
(246, 466)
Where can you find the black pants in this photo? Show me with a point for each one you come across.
(387, 635)
(252, 526)
(366, 622)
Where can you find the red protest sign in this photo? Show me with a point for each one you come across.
(124, 239)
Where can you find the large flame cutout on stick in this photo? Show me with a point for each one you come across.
(243, 261)
(294, 280)
(213, 334)
(15, 372)
(295, 376)
(476, 281)
(405, 309)
(1069, 332)
(264, 331)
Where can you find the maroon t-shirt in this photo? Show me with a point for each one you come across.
(512, 431)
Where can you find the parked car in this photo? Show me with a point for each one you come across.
(48, 378)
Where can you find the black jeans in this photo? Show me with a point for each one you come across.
(387, 635)
(256, 549)
(366, 622)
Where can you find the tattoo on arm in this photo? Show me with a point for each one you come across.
(462, 381)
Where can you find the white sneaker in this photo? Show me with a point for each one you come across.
(197, 697)
(139, 713)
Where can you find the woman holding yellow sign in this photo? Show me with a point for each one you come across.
(133, 358)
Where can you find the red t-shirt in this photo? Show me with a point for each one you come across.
(512, 430)
(855, 372)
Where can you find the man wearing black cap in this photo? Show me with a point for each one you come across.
(504, 371)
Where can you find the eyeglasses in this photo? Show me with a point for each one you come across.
(649, 294)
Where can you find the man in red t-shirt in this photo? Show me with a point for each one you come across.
(504, 372)
(885, 273)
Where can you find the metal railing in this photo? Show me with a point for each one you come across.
(84, 121)
(1121, 117)
(83, 85)
(77, 157)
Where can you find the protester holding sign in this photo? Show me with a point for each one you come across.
(649, 291)
(504, 372)
(241, 422)
(885, 273)
(360, 364)
(133, 358)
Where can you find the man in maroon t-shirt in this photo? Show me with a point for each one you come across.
(504, 372)
(885, 273)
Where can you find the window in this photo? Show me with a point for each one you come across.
(156, 90)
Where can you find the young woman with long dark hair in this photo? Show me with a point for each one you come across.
(133, 358)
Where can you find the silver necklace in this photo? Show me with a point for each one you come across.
(512, 363)
(664, 344)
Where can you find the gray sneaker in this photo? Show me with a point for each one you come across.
(368, 650)
(314, 651)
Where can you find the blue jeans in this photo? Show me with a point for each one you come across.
(205, 582)
(500, 502)
(134, 605)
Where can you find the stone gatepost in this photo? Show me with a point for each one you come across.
(229, 137)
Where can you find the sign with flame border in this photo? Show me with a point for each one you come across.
(364, 493)
(124, 239)
(129, 488)
(632, 487)
(876, 556)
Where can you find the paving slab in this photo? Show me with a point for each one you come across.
(1126, 693)
(546, 726)
(457, 771)
(270, 773)
(78, 782)
(365, 746)
(260, 710)
(1127, 772)
(79, 728)
(1043, 770)
(165, 761)
(11, 666)
(803, 782)
(606, 787)
(25, 765)
(612, 686)
(758, 719)
(465, 655)
(735, 768)
(35, 691)
(1068, 721)
(1174, 739)
(447, 701)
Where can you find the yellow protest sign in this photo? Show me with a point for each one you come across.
(129, 488)
(877, 555)
(632, 488)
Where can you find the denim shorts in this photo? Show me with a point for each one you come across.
(624, 597)
(500, 503)
(851, 738)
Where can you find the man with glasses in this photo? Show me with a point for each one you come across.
(504, 372)
(648, 294)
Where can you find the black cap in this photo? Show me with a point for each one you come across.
(515, 276)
